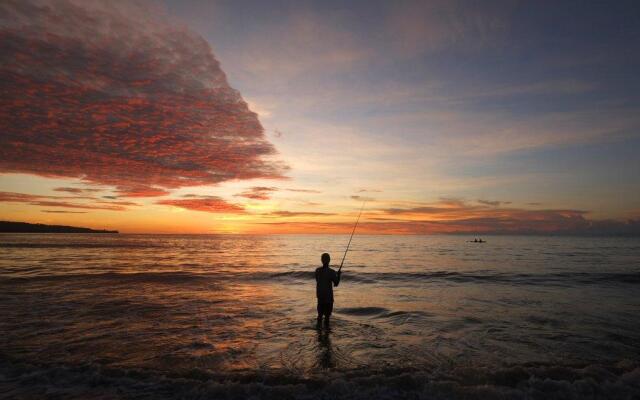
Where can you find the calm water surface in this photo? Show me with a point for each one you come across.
(234, 316)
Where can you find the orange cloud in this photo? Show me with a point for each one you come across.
(298, 214)
(62, 212)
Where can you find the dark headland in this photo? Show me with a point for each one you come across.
(24, 227)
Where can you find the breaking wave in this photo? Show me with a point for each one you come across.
(595, 381)
(548, 279)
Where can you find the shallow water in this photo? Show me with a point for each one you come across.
(234, 316)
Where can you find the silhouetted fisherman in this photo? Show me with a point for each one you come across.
(326, 279)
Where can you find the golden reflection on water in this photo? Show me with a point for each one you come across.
(325, 351)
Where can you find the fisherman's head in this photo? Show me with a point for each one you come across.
(325, 259)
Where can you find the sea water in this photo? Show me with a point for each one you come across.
(233, 316)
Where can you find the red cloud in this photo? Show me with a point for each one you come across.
(212, 204)
(123, 98)
(60, 201)
(77, 190)
(258, 193)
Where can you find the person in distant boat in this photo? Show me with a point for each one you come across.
(326, 279)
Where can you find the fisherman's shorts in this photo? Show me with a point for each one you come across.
(325, 309)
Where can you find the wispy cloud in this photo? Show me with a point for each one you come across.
(61, 201)
(303, 190)
(493, 203)
(258, 192)
(362, 198)
(62, 212)
(299, 44)
(417, 27)
(76, 190)
(458, 216)
(299, 214)
(485, 227)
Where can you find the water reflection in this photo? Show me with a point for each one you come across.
(325, 350)
(230, 304)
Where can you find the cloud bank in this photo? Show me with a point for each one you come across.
(114, 94)
(451, 216)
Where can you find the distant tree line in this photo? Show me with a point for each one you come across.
(24, 227)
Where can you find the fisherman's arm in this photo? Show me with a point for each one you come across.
(336, 278)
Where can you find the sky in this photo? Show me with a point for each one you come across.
(285, 116)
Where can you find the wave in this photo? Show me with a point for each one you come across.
(396, 317)
(28, 380)
(565, 279)
(362, 311)
(556, 278)
(157, 277)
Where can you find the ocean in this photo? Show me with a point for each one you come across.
(233, 316)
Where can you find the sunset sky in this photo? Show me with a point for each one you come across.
(283, 117)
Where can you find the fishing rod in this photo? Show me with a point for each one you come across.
(352, 232)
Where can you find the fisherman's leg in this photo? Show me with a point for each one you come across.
(328, 309)
(319, 308)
